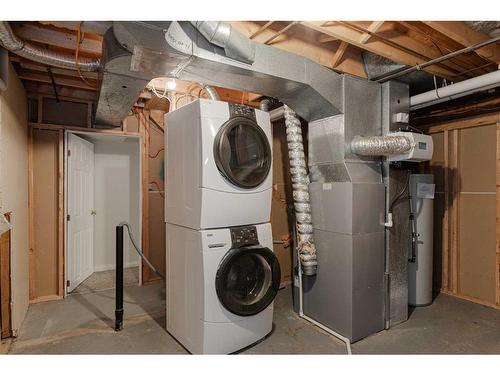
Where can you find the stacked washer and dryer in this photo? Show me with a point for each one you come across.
(222, 275)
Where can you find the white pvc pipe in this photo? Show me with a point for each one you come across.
(485, 81)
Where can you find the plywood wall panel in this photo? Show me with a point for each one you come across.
(477, 159)
(45, 206)
(477, 246)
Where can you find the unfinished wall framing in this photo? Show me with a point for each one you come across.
(466, 165)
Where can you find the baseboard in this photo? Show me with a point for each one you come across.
(109, 267)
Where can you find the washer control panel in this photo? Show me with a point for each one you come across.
(244, 236)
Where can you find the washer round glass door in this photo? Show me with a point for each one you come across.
(242, 152)
(247, 280)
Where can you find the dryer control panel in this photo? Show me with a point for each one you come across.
(244, 236)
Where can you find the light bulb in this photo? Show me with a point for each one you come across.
(171, 84)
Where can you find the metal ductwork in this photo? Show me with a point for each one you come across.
(235, 44)
(300, 185)
(11, 42)
(381, 145)
(211, 92)
(136, 52)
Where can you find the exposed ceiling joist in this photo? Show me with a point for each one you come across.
(59, 81)
(466, 36)
(373, 28)
(339, 54)
(322, 53)
(56, 38)
(27, 65)
(65, 92)
(376, 46)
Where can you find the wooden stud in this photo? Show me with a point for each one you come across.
(455, 212)
(60, 215)
(144, 130)
(116, 131)
(326, 39)
(446, 219)
(31, 216)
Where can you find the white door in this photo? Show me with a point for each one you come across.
(80, 225)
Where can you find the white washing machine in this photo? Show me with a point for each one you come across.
(221, 284)
(218, 165)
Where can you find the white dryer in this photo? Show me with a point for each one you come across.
(221, 285)
(218, 165)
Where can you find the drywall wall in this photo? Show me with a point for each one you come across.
(117, 198)
(14, 188)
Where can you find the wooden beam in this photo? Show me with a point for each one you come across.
(60, 81)
(282, 31)
(306, 44)
(262, 28)
(463, 34)
(326, 39)
(469, 122)
(116, 131)
(339, 54)
(374, 26)
(52, 37)
(377, 46)
(65, 92)
(28, 65)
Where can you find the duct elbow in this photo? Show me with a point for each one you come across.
(236, 45)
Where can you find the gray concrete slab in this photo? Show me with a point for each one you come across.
(83, 324)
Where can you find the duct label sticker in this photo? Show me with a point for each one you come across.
(425, 191)
(327, 186)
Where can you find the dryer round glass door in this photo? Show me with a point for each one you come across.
(242, 152)
(247, 280)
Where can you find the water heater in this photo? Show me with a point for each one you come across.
(422, 227)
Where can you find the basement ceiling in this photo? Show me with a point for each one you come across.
(337, 45)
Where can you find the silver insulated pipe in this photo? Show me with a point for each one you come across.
(11, 42)
(381, 145)
(300, 186)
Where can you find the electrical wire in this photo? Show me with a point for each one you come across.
(157, 153)
(158, 188)
(400, 194)
(139, 251)
(79, 39)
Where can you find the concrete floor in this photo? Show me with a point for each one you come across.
(106, 280)
(83, 324)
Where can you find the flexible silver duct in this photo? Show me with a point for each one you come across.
(300, 185)
(381, 145)
(11, 42)
(236, 45)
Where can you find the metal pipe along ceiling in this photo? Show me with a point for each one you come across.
(11, 42)
(483, 82)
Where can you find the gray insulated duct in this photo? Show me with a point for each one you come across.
(31, 52)
(381, 145)
(300, 185)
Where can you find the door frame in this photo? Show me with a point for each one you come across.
(141, 193)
